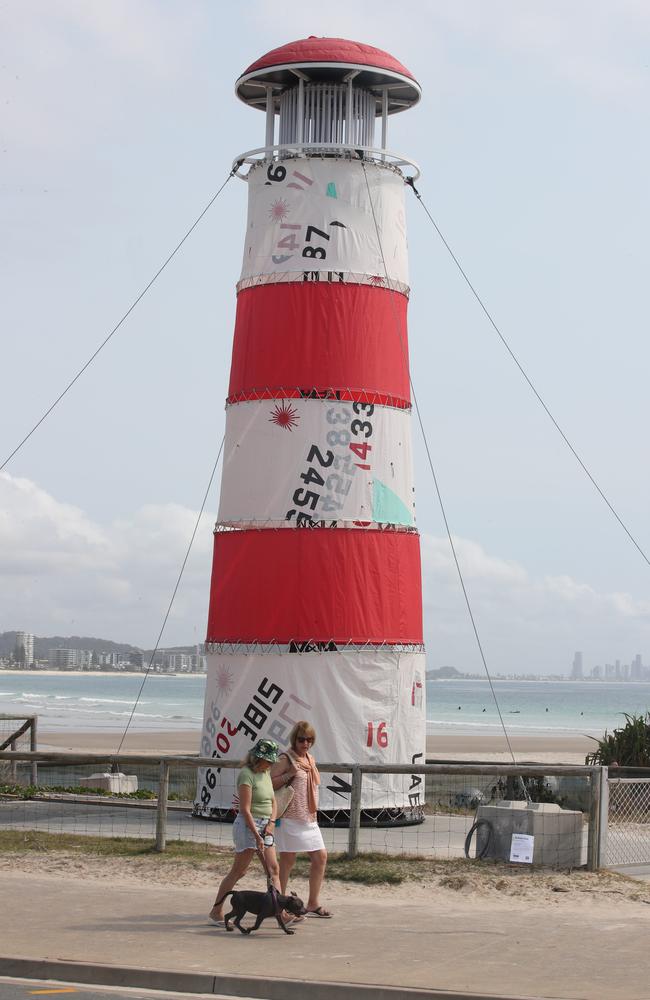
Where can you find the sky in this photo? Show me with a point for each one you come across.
(118, 122)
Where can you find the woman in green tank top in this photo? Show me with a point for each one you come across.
(255, 821)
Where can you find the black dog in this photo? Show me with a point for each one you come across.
(264, 904)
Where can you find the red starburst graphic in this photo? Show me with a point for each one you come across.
(284, 415)
(279, 210)
(224, 681)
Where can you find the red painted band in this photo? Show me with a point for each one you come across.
(310, 334)
(295, 585)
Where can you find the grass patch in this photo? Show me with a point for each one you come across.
(367, 869)
(31, 841)
(186, 863)
(33, 791)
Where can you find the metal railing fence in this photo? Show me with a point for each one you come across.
(627, 840)
(65, 801)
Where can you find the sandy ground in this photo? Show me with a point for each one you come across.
(563, 749)
(496, 883)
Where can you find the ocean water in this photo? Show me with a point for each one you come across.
(88, 702)
(543, 707)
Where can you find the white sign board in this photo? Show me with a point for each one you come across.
(521, 848)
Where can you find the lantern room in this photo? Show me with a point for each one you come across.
(325, 96)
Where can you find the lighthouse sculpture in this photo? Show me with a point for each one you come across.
(315, 601)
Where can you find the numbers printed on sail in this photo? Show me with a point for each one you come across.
(312, 476)
(378, 736)
(351, 428)
(290, 241)
(215, 738)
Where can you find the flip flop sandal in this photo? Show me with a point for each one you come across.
(320, 912)
(218, 923)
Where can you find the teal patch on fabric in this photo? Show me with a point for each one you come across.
(387, 506)
(331, 190)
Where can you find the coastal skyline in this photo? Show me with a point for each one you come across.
(528, 127)
(106, 655)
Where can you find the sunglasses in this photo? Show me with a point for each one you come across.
(304, 739)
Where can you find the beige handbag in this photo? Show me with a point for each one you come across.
(283, 799)
(284, 794)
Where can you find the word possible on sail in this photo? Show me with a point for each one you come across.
(315, 601)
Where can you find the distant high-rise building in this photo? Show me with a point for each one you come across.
(636, 670)
(63, 659)
(24, 648)
(110, 660)
(576, 670)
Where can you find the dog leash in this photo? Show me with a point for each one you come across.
(270, 888)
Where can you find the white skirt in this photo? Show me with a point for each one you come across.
(297, 838)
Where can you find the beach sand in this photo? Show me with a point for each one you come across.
(563, 748)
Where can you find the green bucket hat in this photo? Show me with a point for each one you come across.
(266, 750)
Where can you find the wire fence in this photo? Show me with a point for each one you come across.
(17, 733)
(628, 828)
(458, 809)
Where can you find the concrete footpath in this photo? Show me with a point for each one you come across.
(148, 936)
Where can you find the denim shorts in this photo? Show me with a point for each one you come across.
(243, 837)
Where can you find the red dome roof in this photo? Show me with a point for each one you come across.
(329, 50)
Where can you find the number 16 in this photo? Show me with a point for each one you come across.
(382, 735)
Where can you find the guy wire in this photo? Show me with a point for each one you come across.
(173, 597)
(537, 395)
(435, 481)
(118, 325)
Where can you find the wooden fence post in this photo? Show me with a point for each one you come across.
(355, 811)
(33, 746)
(593, 836)
(161, 814)
(603, 823)
(14, 763)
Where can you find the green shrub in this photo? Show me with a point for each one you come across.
(627, 747)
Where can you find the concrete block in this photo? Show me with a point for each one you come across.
(557, 832)
(118, 783)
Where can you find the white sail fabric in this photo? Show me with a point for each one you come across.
(366, 707)
(321, 458)
(313, 216)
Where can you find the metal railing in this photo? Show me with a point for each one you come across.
(453, 792)
(288, 150)
(627, 840)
